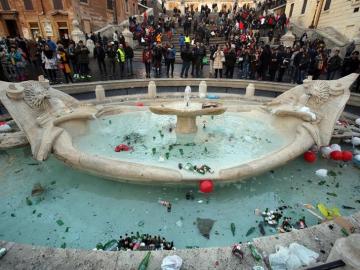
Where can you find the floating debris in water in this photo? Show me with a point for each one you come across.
(141, 223)
(63, 245)
(261, 228)
(232, 228)
(28, 201)
(205, 225)
(331, 194)
(348, 207)
(60, 222)
(37, 190)
(67, 229)
(250, 231)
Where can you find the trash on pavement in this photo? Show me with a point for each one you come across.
(173, 262)
(2, 252)
(236, 251)
(292, 258)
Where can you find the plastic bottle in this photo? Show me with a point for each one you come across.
(145, 262)
(2, 252)
(255, 253)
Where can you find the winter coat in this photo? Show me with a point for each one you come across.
(218, 60)
(84, 55)
(334, 63)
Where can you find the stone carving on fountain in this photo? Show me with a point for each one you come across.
(314, 103)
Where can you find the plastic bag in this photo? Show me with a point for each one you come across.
(173, 262)
(292, 258)
(306, 256)
(278, 259)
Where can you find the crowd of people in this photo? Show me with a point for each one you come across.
(244, 48)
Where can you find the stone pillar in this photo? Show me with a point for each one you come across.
(348, 250)
(152, 89)
(76, 33)
(288, 39)
(250, 90)
(100, 93)
(202, 89)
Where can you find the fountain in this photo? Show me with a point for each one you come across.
(240, 143)
(187, 112)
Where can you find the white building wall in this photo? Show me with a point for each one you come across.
(342, 17)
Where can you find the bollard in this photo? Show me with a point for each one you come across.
(152, 89)
(100, 93)
(202, 89)
(250, 90)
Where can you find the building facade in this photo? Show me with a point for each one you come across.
(32, 18)
(196, 4)
(341, 15)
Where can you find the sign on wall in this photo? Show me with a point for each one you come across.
(48, 30)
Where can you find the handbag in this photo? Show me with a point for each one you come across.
(223, 59)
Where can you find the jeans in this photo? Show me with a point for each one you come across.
(185, 68)
(101, 64)
(148, 69)
(300, 75)
(245, 71)
(51, 74)
(330, 75)
(112, 67)
(129, 66)
(170, 64)
(84, 69)
(122, 68)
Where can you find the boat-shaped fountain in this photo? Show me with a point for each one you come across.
(206, 139)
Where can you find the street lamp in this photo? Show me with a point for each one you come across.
(312, 26)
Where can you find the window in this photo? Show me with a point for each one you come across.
(58, 4)
(127, 5)
(356, 9)
(110, 4)
(5, 4)
(84, 1)
(291, 9)
(28, 5)
(304, 7)
(327, 5)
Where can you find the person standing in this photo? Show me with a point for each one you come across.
(274, 64)
(181, 41)
(64, 65)
(213, 49)
(147, 58)
(333, 65)
(99, 55)
(196, 61)
(186, 56)
(49, 59)
(170, 60)
(84, 61)
(219, 59)
(73, 59)
(112, 58)
(121, 58)
(157, 55)
(230, 60)
(351, 65)
(129, 55)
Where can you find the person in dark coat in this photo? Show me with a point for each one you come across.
(129, 54)
(265, 58)
(186, 56)
(230, 61)
(333, 65)
(99, 55)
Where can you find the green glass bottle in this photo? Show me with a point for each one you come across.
(145, 262)
(255, 253)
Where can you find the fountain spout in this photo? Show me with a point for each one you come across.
(187, 95)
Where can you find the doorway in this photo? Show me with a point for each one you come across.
(12, 28)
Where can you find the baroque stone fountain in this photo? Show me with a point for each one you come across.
(187, 112)
(55, 122)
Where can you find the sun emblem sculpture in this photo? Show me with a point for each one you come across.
(36, 95)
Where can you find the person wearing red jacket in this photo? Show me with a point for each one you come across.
(147, 58)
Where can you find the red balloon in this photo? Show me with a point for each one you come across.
(206, 186)
(336, 155)
(310, 156)
(347, 155)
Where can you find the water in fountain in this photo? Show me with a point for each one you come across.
(82, 210)
(220, 142)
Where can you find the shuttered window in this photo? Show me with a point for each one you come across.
(304, 7)
(5, 4)
(110, 4)
(28, 5)
(58, 4)
(327, 4)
